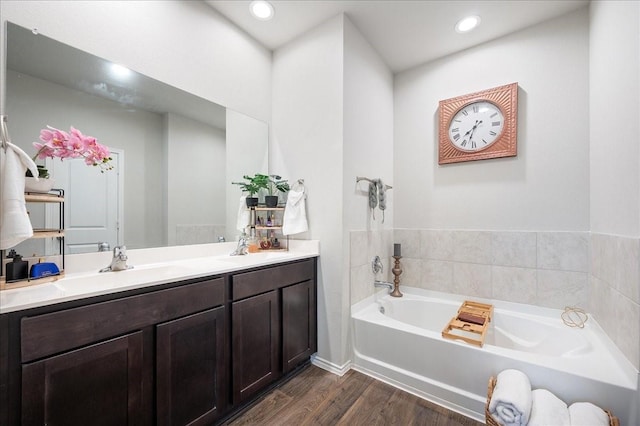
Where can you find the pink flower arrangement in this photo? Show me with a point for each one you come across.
(60, 144)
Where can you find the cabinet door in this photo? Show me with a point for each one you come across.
(96, 385)
(191, 374)
(255, 341)
(298, 324)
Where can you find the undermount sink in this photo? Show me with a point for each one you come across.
(114, 280)
(31, 294)
(257, 257)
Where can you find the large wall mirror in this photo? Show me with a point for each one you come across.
(175, 154)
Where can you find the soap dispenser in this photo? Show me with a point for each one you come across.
(18, 269)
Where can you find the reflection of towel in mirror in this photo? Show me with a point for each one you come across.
(14, 219)
(294, 220)
(243, 214)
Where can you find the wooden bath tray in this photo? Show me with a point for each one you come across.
(470, 324)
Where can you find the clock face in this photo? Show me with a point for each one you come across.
(476, 126)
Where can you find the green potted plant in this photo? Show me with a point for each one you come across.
(252, 185)
(275, 184)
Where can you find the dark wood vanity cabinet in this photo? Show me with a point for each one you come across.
(255, 337)
(97, 384)
(190, 369)
(273, 325)
(190, 353)
(153, 358)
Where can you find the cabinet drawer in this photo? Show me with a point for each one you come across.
(47, 334)
(263, 280)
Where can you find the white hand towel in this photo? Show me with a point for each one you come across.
(243, 214)
(548, 410)
(587, 414)
(294, 219)
(15, 225)
(510, 403)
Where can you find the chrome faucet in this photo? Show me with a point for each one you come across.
(119, 261)
(385, 284)
(243, 246)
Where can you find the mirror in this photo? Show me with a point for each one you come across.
(175, 154)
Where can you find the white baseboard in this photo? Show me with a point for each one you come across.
(340, 370)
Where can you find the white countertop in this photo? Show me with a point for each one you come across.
(150, 267)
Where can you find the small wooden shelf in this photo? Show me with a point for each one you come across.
(34, 197)
(54, 196)
(47, 233)
(4, 285)
(264, 209)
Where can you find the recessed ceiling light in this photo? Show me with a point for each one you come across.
(467, 24)
(261, 9)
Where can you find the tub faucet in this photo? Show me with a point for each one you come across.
(119, 261)
(385, 284)
(243, 246)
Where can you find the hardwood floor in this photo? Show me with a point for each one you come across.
(317, 397)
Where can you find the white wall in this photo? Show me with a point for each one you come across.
(183, 43)
(368, 130)
(546, 187)
(615, 117)
(307, 143)
(368, 152)
(196, 174)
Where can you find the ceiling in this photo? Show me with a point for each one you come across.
(404, 33)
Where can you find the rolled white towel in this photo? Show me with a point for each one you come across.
(548, 410)
(587, 414)
(510, 403)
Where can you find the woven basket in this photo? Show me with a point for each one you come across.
(613, 420)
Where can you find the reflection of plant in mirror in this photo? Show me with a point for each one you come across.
(60, 144)
(253, 184)
(276, 183)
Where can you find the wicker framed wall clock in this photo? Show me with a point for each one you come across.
(479, 125)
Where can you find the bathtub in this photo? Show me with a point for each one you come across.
(399, 341)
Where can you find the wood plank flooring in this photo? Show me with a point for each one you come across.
(317, 397)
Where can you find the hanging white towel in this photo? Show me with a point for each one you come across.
(294, 219)
(15, 225)
(243, 214)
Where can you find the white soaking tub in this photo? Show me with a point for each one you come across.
(402, 344)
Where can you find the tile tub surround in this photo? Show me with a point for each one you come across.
(550, 269)
(614, 290)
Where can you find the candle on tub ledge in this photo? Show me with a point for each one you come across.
(396, 250)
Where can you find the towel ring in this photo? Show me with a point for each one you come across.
(299, 184)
